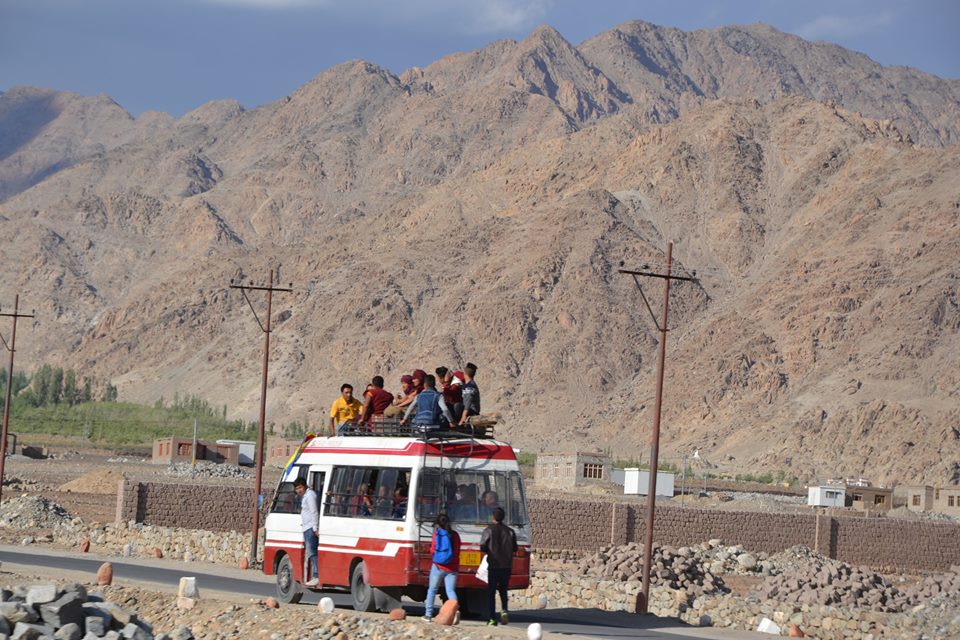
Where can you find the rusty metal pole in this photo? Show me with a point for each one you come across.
(263, 420)
(655, 440)
(6, 405)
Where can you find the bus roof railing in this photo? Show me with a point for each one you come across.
(391, 427)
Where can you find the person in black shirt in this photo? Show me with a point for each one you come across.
(499, 542)
(470, 394)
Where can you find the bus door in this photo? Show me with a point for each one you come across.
(316, 480)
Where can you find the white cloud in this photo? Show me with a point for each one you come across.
(469, 16)
(833, 26)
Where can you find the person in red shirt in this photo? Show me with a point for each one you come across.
(450, 387)
(376, 402)
(445, 554)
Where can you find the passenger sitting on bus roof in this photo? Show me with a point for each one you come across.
(344, 409)
(450, 387)
(400, 503)
(377, 400)
(431, 410)
(404, 398)
(471, 394)
(419, 377)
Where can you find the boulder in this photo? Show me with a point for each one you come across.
(69, 631)
(41, 594)
(244, 564)
(188, 587)
(67, 609)
(398, 614)
(85, 545)
(185, 603)
(157, 552)
(271, 603)
(105, 574)
(448, 613)
(795, 632)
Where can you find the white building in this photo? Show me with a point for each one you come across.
(247, 450)
(636, 482)
(826, 496)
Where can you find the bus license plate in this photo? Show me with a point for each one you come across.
(470, 558)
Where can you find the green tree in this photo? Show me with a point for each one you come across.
(71, 394)
(87, 394)
(41, 385)
(56, 385)
(110, 393)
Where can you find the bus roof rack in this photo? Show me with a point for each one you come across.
(391, 427)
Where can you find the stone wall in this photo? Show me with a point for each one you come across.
(188, 506)
(587, 525)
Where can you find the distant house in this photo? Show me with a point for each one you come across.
(636, 482)
(172, 450)
(867, 498)
(915, 497)
(947, 500)
(568, 470)
(826, 496)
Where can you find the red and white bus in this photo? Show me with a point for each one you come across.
(378, 497)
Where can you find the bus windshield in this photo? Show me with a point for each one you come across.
(469, 497)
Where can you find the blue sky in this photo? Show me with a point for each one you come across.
(174, 55)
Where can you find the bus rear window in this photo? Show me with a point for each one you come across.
(469, 497)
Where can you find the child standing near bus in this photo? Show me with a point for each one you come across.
(445, 554)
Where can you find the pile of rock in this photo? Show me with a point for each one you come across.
(32, 512)
(935, 585)
(69, 613)
(829, 582)
(207, 469)
(675, 568)
(720, 559)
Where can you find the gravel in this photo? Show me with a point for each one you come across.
(207, 469)
(29, 512)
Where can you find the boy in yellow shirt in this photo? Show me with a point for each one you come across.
(345, 408)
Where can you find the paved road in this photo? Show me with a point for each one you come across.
(581, 622)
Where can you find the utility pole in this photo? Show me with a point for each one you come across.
(269, 288)
(12, 348)
(655, 439)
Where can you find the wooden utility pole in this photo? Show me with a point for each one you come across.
(655, 439)
(269, 288)
(12, 348)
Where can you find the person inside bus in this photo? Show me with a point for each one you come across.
(377, 401)
(344, 409)
(465, 508)
(309, 521)
(383, 505)
(400, 503)
(489, 501)
(431, 410)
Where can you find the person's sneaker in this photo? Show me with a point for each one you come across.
(491, 622)
(504, 617)
(427, 618)
(311, 583)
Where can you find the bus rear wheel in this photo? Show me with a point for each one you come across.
(289, 590)
(361, 592)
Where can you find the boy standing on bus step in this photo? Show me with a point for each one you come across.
(499, 542)
(309, 520)
(445, 556)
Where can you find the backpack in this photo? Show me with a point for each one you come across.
(442, 547)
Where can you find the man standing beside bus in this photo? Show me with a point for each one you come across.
(499, 542)
(445, 563)
(309, 521)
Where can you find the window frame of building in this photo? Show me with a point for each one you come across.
(950, 502)
(879, 499)
(857, 497)
(593, 471)
(915, 500)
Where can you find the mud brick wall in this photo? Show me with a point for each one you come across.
(587, 525)
(207, 507)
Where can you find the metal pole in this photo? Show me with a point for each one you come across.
(194, 463)
(263, 420)
(683, 480)
(6, 405)
(655, 443)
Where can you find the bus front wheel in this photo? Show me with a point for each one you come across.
(289, 590)
(362, 593)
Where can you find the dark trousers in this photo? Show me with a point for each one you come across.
(498, 579)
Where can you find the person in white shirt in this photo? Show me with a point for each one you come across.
(309, 519)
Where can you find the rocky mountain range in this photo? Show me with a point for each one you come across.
(480, 208)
